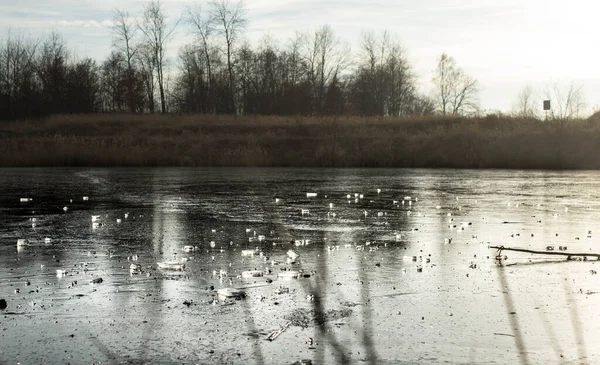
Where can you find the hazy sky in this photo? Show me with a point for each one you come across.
(504, 44)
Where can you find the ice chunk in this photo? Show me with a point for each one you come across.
(135, 269)
(61, 273)
(252, 274)
(248, 252)
(291, 274)
(231, 293)
(172, 265)
(292, 254)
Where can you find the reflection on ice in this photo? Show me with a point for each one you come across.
(214, 249)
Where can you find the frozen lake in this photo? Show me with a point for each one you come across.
(355, 244)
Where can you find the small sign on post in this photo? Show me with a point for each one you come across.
(547, 107)
(546, 104)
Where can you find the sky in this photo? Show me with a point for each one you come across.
(504, 44)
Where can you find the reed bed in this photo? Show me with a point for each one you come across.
(203, 140)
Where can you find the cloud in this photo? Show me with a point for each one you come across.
(25, 12)
(79, 23)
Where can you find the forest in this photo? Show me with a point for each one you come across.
(219, 72)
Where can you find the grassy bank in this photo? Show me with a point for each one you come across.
(198, 140)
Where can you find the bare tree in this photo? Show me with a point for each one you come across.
(421, 105)
(525, 106)
(112, 70)
(147, 62)
(83, 87)
(125, 30)
(157, 33)
(294, 64)
(567, 104)
(52, 72)
(368, 85)
(326, 57)
(17, 77)
(455, 92)
(369, 48)
(229, 21)
(295, 88)
(383, 83)
(203, 29)
(190, 88)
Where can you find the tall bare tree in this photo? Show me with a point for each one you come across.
(325, 57)
(190, 87)
(295, 88)
(147, 62)
(203, 29)
(369, 75)
(83, 87)
(454, 91)
(294, 63)
(157, 33)
(229, 20)
(112, 70)
(125, 30)
(125, 43)
(384, 83)
(52, 73)
(17, 77)
(525, 106)
(400, 87)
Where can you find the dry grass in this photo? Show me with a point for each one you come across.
(200, 140)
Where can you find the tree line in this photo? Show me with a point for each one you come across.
(219, 72)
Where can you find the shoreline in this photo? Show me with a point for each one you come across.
(124, 140)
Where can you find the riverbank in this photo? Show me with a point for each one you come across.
(200, 140)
